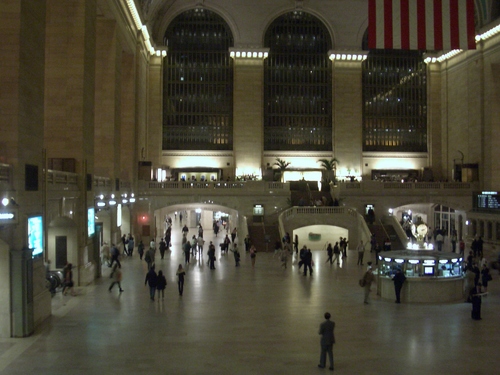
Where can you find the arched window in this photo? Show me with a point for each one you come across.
(298, 85)
(198, 83)
(394, 101)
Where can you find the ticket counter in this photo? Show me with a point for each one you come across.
(431, 276)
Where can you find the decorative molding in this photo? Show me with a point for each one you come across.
(395, 155)
(198, 153)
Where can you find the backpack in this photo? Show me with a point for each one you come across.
(147, 257)
(362, 282)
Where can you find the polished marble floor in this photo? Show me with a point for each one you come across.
(252, 321)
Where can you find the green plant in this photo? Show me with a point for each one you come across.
(282, 164)
(330, 166)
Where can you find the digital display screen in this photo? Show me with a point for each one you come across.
(429, 270)
(91, 221)
(35, 235)
(487, 200)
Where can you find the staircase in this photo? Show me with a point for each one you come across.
(264, 236)
(382, 232)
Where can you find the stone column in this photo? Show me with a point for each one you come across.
(22, 81)
(347, 95)
(129, 158)
(107, 101)
(154, 124)
(70, 99)
(248, 115)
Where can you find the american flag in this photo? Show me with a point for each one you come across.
(421, 24)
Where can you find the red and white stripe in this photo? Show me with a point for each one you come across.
(421, 24)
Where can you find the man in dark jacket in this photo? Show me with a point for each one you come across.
(152, 280)
(308, 263)
(302, 256)
(327, 340)
(399, 279)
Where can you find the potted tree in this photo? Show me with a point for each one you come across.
(282, 165)
(329, 173)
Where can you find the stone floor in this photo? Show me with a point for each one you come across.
(252, 321)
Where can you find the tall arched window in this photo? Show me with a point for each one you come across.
(298, 85)
(394, 101)
(198, 83)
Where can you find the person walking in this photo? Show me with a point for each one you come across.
(68, 280)
(115, 255)
(236, 254)
(152, 281)
(336, 253)
(398, 279)
(187, 251)
(302, 256)
(117, 279)
(180, 278)
(329, 252)
(150, 257)
(485, 277)
(367, 281)
(211, 255)
(296, 244)
(253, 254)
(247, 242)
(140, 249)
(161, 284)
(233, 235)
(308, 263)
(327, 340)
(361, 252)
(201, 243)
(130, 245)
(163, 247)
(168, 236)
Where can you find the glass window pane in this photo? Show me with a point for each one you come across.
(198, 83)
(298, 84)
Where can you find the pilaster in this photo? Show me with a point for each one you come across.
(248, 115)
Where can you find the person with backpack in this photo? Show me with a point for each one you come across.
(161, 284)
(149, 257)
(152, 281)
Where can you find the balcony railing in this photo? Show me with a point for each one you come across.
(415, 187)
(219, 185)
(58, 178)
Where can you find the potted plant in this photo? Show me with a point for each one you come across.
(329, 174)
(282, 165)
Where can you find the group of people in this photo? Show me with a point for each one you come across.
(157, 282)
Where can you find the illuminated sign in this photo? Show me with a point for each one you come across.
(119, 215)
(90, 221)
(258, 210)
(35, 235)
(8, 216)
